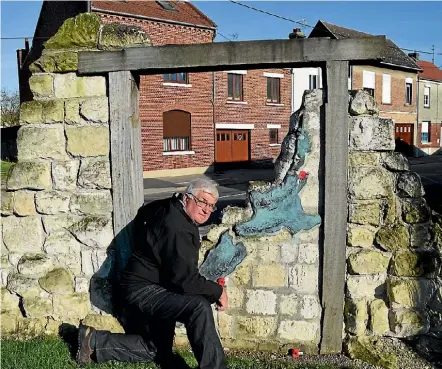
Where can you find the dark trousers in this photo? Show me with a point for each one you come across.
(151, 314)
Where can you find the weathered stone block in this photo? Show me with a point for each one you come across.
(95, 110)
(52, 223)
(269, 275)
(360, 236)
(268, 252)
(255, 326)
(57, 281)
(357, 159)
(395, 161)
(94, 231)
(64, 175)
(234, 215)
(308, 253)
(225, 324)
(415, 210)
(9, 302)
(88, 140)
(356, 316)
(69, 86)
(80, 32)
(82, 285)
(304, 278)
(37, 306)
(362, 103)
(35, 175)
(407, 323)
(215, 232)
(64, 61)
(393, 237)
(261, 302)
(289, 304)
(299, 331)
(23, 285)
(407, 263)
(42, 85)
(7, 202)
(409, 292)
(52, 202)
(23, 234)
(366, 287)
(242, 275)
(308, 236)
(409, 185)
(35, 264)
(365, 212)
(24, 203)
(379, 324)
(31, 327)
(99, 202)
(371, 350)
(53, 111)
(420, 234)
(35, 142)
(236, 297)
(31, 112)
(103, 322)
(117, 35)
(310, 307)
(9, 323)
(368, 261)
(368, 183)
(72, 111)
(370, 133)
(71, 306)
(61, 242)
(289, 253)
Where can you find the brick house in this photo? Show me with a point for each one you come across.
(392, 82)
(191, 121)
(429, 111)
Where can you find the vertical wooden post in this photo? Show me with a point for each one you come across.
(335, 206)
(126, 160)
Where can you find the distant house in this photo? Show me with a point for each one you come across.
(429, 111)
(392, 82)
(193, 121)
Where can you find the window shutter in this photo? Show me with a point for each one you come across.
(386, 89)
(368, 79)
(424, 127)
(176, 123)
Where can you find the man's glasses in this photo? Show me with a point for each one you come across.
(202, 203)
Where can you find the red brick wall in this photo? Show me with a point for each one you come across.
(434, 136)
(155, 98)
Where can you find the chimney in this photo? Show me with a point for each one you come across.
(297, 33)
(414, 55)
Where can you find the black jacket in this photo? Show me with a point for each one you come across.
(166, 250)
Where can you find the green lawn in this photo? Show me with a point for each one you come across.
(5, 166)
(53, 353)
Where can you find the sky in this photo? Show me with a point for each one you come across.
(411, 25)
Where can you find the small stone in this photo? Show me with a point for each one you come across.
(357, 159)
(409, 185)
(57, 281)
(234, 215)
(23, 234)
(310, 307)
(31, 112)
(92, 202)
(103, 322)
(415, 210)
(242, 275)
(371, 133)
(64, 174)
(269, 275)
(10, 302)
(360, 236)
(69, 85)
(42, 85)
(53, 111)
(365, 212)
(409, 292)
(215, 232)
(393, 237)
(52, 223)
(117, 35)
(420, 235)
(52, 202)
(408, 323)
(308, 253)
(366, 286)
(289, 253)
(37, 306)
(34, 175)
(82, 285)
(369, 183)
(34, 264)
(24, 203)
(289, 304)
(23, 285)
(407, 263)
(255, 326)
(261, 302)
(362, 103)
(61, 242)
(299, 331)
(72, 111)
(379, 323)
(31, 327)
(95, 110)
(64, 61)
(94, 231)
(356, 316)
(395, 161)
(87, 140)
(304, 278)
(71, 306)
(35, 142)
(368, 261)
(371, 350)
(7, 202)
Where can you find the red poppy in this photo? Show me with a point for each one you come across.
(221, 281)
(302, 174)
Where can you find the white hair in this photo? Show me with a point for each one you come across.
(202, 184)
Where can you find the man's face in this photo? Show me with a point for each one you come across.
(199, 206)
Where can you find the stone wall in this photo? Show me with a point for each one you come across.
(393, 254)
(57, 223)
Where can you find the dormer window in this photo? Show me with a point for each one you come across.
(167, 5)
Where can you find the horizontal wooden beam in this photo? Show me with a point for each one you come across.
(231, 55)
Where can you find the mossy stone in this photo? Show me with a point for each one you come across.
(371, 350)
(117, 35)
(415, 210)
(80, 32)
(66, 61)
(57, 281)
(393, 237)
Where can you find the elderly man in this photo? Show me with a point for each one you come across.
(161, 285)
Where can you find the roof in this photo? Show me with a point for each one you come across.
(429, 71)
(394, 55)
(184, 11)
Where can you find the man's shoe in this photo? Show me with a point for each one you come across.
(85, 350)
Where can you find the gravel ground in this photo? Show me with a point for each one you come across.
(407, 358)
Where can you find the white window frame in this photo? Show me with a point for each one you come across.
(425, 128)
(369, 79)
(427, 100)
(386, 89)
(409, 81)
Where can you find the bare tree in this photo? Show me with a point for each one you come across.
(10, 108)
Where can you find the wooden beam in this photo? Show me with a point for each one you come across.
(228, 55)
(126, 161)
(335, 206)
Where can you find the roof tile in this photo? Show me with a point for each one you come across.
(430, 71)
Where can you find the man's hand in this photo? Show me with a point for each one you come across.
(223, 301)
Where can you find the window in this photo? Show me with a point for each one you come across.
(273, 136)
(273, 90)
(408, 93)
(235, 86)
(386, 89)
(312, 81)
(176, 130)
(425, 132)
(426, 97)
(167, 5)
(368, 82)
(177, 77)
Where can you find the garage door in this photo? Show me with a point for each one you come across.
(232, 146)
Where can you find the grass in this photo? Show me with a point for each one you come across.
(4, 170)
(53, 353)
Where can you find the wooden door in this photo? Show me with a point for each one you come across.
(404, 132)
(232, 146)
